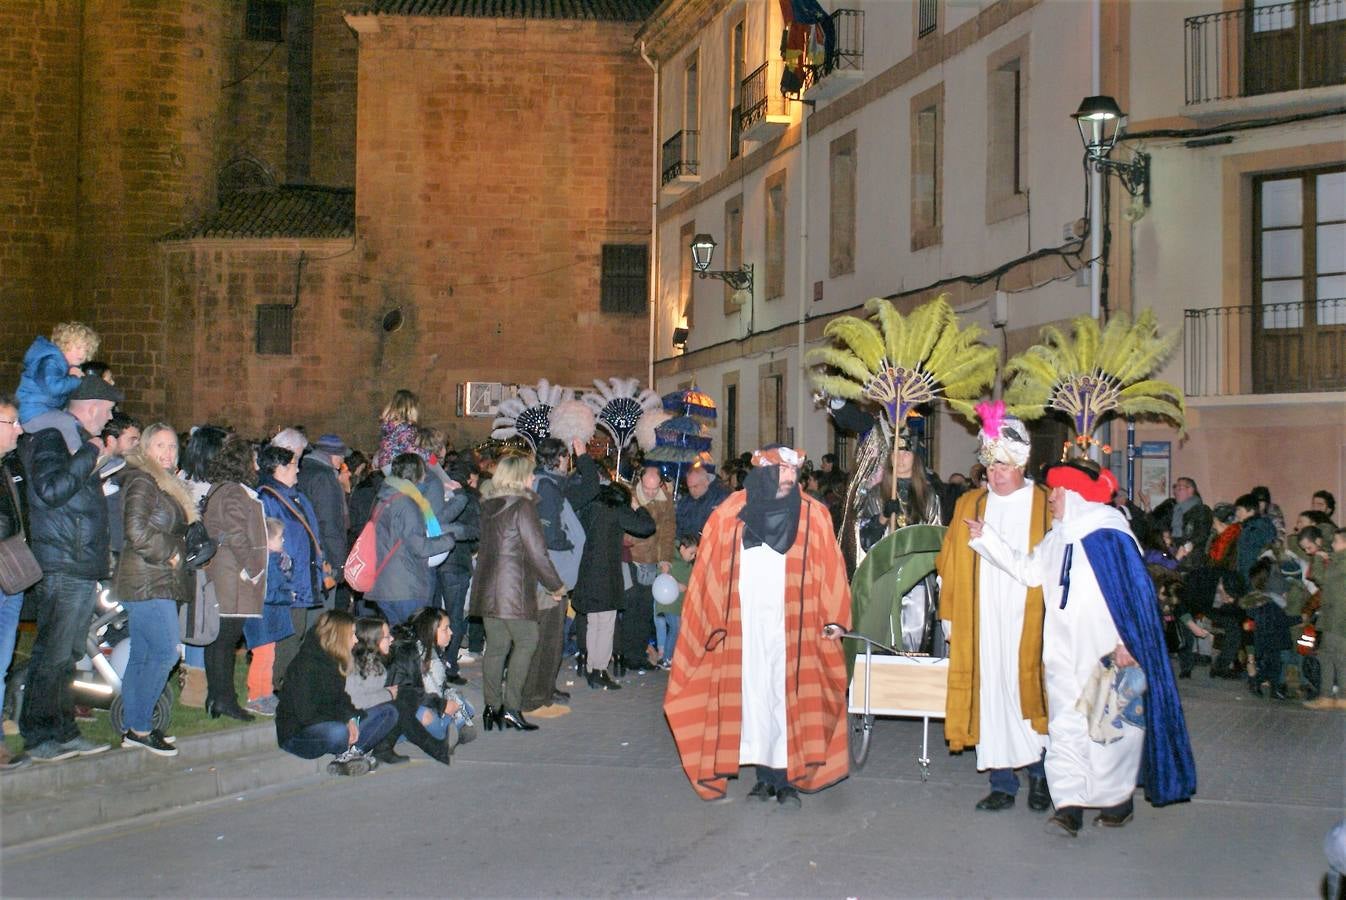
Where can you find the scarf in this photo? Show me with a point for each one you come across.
(1179, 510)
(401, 485)
(767, 519)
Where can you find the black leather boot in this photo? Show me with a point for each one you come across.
(490, 718)
(513, 718)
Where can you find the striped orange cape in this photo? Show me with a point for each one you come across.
(704, 701)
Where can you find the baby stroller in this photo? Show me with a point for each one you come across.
(98, 674)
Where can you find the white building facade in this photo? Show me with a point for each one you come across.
(939, 156)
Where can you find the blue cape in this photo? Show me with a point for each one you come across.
(1168, 771)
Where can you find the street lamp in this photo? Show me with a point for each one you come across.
(703, 250)
(1106, 122)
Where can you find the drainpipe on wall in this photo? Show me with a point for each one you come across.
(803, 271)
(1095, 176)
(654, 216)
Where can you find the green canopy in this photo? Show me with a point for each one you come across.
(890, 569)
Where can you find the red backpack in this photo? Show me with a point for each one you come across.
(362, 564)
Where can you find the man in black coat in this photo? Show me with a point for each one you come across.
(319, 483)
(69, 536)
(704, 493)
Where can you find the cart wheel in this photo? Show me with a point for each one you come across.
(861, 729)
(161, 719)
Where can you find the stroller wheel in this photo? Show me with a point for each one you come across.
(163, 712)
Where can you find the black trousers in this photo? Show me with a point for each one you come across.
(637, 624)
(220, 656)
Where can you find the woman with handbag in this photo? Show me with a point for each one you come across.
(152, 579)
(511, 560)
(235, 518)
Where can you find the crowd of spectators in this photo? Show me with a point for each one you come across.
(477, 557)
(512, 558)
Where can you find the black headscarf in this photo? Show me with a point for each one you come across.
(766, 519)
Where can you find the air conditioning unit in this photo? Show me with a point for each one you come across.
(480, 398)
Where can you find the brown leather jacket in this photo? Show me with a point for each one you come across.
(662, 545)
(156, 532)
(236, 520)
(511, 558)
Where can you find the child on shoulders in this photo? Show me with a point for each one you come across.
(52, 369)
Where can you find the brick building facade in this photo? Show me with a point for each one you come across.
(156, 156)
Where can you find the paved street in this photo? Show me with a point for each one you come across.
(594, 804)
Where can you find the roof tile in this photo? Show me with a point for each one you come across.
(290, 211)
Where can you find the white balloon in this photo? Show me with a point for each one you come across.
(665, 589)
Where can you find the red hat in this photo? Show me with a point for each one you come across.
(1095, 486)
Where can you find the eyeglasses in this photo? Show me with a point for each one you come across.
(9, 421)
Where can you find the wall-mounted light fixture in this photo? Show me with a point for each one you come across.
(680, 335)
(703, 251)
(1106, 122)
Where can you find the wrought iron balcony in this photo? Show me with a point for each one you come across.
(1247, 51)
(681, 159)
(1275, 348)
(765, 113)
(848, 65)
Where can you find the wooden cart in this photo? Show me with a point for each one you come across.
(902, 685)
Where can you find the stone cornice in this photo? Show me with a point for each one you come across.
(674, 23)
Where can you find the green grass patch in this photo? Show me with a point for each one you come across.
(186, 720)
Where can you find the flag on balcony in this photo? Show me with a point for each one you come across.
(808, 42)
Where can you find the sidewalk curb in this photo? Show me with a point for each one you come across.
(48, 799)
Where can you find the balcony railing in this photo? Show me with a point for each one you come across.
(760, 95)
(1274, 348)
(681, 155)
(849, 27)
(1263, 50)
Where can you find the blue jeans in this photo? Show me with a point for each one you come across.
(666, 627)
(322, 738)
(154, 652)
(439, 723)
(64, 610)
(453, 584)
(10, 604)
(1006, 781)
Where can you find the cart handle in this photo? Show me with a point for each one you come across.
(832, 629)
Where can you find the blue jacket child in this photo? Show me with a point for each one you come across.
(46, 382)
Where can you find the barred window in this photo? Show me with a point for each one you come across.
(265, 21)
(625, 281)
(275, 329)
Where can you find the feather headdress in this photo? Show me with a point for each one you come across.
(528, 413)
(1096, 373)
(901, 362)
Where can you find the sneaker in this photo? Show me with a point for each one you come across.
(153, 742)
(351, 762)
(665, 664)
(51, 751)
(9, 761)
(263, 706)
(84, 747)
(466, 657)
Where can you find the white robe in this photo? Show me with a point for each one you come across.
(1006, 739)
(1080, 772)
(761, 591)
